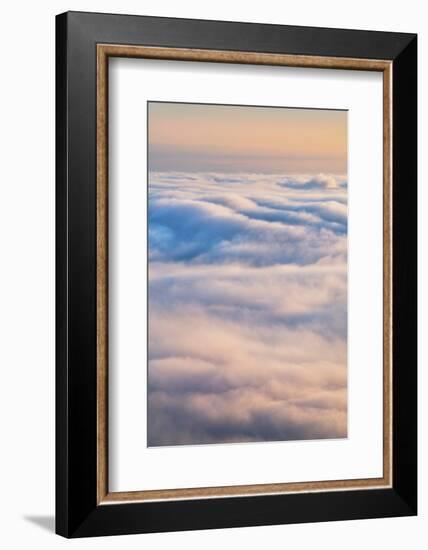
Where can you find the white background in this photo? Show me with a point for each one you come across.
(133, 466)
(27, 274)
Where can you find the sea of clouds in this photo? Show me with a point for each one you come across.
(247, 308)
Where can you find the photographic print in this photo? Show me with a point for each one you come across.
(247, 274)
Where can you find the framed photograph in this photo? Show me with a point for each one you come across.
(236, 274)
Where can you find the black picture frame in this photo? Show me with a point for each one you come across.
(77, 511)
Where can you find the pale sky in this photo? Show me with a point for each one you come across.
(224, 138)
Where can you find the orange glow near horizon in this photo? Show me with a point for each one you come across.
(198, 137)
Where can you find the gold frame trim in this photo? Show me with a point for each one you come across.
(104, 51)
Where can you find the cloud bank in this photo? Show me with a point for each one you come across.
(247, 308)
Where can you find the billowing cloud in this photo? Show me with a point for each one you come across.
(320, 181)
(247, 308)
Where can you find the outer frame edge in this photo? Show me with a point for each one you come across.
(404, 242)
(120, 519)
(61, 267)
